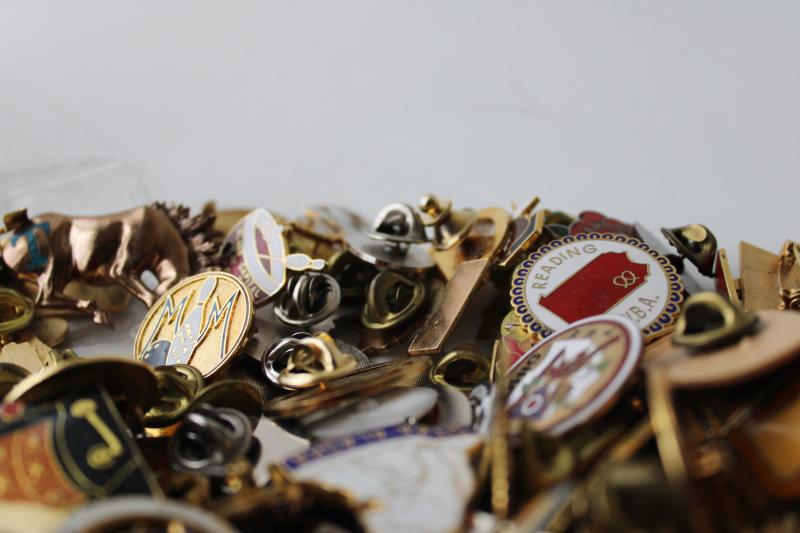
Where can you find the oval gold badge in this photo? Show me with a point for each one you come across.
(203, 321)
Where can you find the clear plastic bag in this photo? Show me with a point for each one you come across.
(79, 187)
(76, 187)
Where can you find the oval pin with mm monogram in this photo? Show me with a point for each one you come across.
(203, 321)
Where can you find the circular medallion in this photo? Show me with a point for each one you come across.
(592, 274)
(203, 321)
(574, 375)
(255, 251)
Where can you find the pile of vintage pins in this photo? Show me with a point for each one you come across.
(435, 368)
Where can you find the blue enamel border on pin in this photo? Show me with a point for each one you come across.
(523, 268)
(334, 446)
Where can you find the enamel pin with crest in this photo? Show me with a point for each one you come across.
(590, 274)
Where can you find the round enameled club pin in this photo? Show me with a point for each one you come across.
(575, 375)
(590, 274)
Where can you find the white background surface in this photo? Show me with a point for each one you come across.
(663, 113)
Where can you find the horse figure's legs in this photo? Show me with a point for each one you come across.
(152, 243)
(172, 259)
(168, 274)
(51, 297)
(62, 302)
(134, 285)
(126, 270)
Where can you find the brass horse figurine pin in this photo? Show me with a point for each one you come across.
(53, 249)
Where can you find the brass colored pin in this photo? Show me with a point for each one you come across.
(361, 383)
(314, 361)
(392, 299)
(474, 258)
(696, 243)
(759, 278)
(177, 387)
(16, 312)
(462, 368)
(129, 382)
(527, 229)
(709, 320)
(486, 239)
(449, 226)
(231, 393)
(10, 375)
(498, 446)
(726, 283)
(352, 274)
(439, 326)
(789, 276)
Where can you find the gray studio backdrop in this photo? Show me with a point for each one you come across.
(658, 112)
